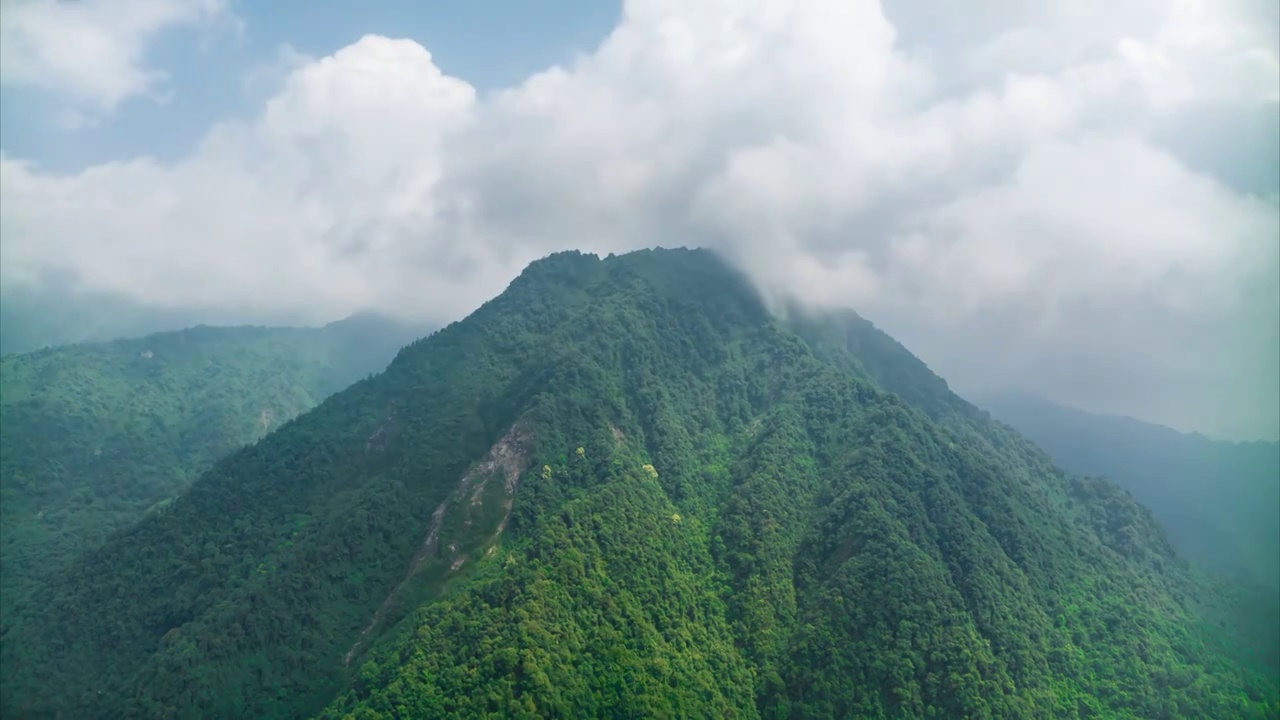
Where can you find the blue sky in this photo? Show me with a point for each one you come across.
(212, 69)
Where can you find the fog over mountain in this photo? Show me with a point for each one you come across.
(1078, 198)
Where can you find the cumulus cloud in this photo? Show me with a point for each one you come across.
(994, 188)
(91, 53)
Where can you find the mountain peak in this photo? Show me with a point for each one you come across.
(622, 488)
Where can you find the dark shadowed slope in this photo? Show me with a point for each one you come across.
(92, 435)
(622, 489)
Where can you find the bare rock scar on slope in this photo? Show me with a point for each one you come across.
(510, 456)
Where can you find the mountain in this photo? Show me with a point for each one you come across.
(1217, 500)
(93, 435)
(623, 489)
(34, 318)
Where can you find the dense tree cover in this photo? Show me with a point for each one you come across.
(93, 435)
(1217, 499)
(622, 489)
(1204, 490)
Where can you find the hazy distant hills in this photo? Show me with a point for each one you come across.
(622, 488)
(92, 435)
(36, 318)
(1219, 501)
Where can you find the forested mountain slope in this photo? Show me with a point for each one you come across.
(623, 489)
(1243, 602)
(93, 435)
(1219, 501)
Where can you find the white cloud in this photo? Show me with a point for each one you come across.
(299, 210)
(91, 53)
(266, 79)
(1007, 213)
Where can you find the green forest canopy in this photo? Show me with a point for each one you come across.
(93, 435)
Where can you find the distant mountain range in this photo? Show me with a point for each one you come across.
(1219, 501)
(35, 318)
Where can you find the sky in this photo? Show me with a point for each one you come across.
(1076, 198)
